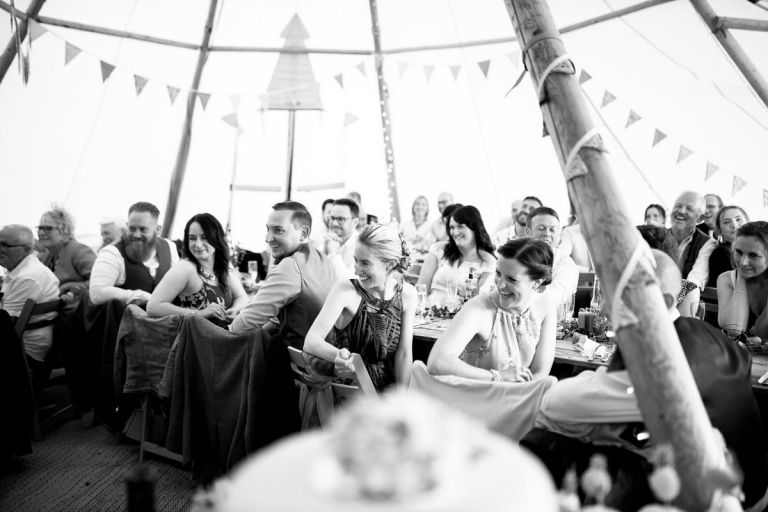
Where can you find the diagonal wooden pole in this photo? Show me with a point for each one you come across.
(177, 179)
(666, 391)
(10, 50)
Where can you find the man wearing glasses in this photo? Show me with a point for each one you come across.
(341, 239)
(27, 278)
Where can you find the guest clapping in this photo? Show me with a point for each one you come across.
(203, 282)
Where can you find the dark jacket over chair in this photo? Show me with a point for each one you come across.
(230, 395)
(15, 393)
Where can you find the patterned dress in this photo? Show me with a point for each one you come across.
(210, 293)
(374, 333)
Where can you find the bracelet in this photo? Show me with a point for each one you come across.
(495, 376)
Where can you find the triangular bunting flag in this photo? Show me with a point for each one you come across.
(349, 119)
(632, 119)
(683, 154)
(35, 30)
(231, 120)
(172, 93)
(658, 136)
(607, 98)
(361, 67)
(485, 65)
(70, 52)
(428, 70)
(106, 70)
(584, 76)
(402, 67)
(140, 82)
(738, 184)
(765, 198)
(203, 97)
(340, 79)
(455, 70)
(711, 170)
(234, 99)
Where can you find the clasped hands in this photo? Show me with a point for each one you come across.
(515, 373)
(342, 364)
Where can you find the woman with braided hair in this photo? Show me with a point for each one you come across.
(372, 314)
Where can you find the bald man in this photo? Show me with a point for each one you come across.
(439, 232)
(693, 247)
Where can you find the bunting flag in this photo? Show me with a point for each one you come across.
(632, 119)
(683, 154)
(349, 119)
(485, 65)
(402, 67)
(139, 82)
(584, 77)
(765, 198)
(428, 70)
(106, 70)
(35, 30)
(711, 170)
(172, 93)
(203, 97)
(70, 52)
(339, 79)
(607, 98)
(361, 67)
(738, 184)
(455, 70)
(658, 136)
(231, 120)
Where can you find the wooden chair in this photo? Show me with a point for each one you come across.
(709, 299)
(30, 309)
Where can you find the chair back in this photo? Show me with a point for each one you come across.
(709, 299)
(32, 308)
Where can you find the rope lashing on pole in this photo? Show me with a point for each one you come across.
(642, 257)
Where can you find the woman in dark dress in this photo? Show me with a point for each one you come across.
(729, 219)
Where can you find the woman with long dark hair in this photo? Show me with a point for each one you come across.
(729, 220)
(468, 246)
(203, 282)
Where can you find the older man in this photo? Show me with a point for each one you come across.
(518, 229)
(508, 222)
(712, 203)
(111, 229)
(129, 270)
(298, 282)
(341, 240)
(694, 247)
(544, 224)
(439, 232)
(27, 278)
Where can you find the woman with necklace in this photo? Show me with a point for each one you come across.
(204, 282)
(742, 294)
(507, 334)
(371, 315)
(417, 232)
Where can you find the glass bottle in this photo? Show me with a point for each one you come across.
(597, 295)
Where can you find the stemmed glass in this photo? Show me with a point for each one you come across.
(421, 305)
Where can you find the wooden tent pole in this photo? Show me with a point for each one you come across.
(10, 50)
(667, 394)
(386, 125)
(733, 48)
(179, 169)
(289, 158)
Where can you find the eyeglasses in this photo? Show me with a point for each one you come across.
(4, 245)
(340, 219)
(47, 229)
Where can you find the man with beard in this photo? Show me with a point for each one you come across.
(693, 246)
(518, 229)
(544, 224)
(130, 269)
(713, 203)
(341, 240)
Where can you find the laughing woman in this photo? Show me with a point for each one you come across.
(507, 334)
(203, 282)
(371, 315)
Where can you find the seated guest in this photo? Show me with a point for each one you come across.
(693, 247)
(70, 260)
(341, 239)
(130, 269)
(112, 229)
(729, 219)
(508, 222)
(319, 234)
(417, 231)
(297, 283)
(439, 232)
(579, 252)
(655, 215)
(712, 205)
(204, 281)
(27, 278)
(742, 294)
(507, 334)
(362, 217)
(518, 229)
(468, 246)
(544, 224)
(372, 315)
(596, 407)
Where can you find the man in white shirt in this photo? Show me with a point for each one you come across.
(130, 269)
(518, 228)
(693, 247)
(544, 224)
(341, 240)
(27, 278)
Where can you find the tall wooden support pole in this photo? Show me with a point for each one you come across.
(289, 160)
(733, 48)
(666, 391)
(177, 179)
(386, 125)
(10, 50)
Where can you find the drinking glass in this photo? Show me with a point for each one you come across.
(253, 270)
(451, 296)
(421, 292)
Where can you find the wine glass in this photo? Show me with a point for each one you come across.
(421, 305)
(253, 270)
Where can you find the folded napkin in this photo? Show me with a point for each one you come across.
(589, 347)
